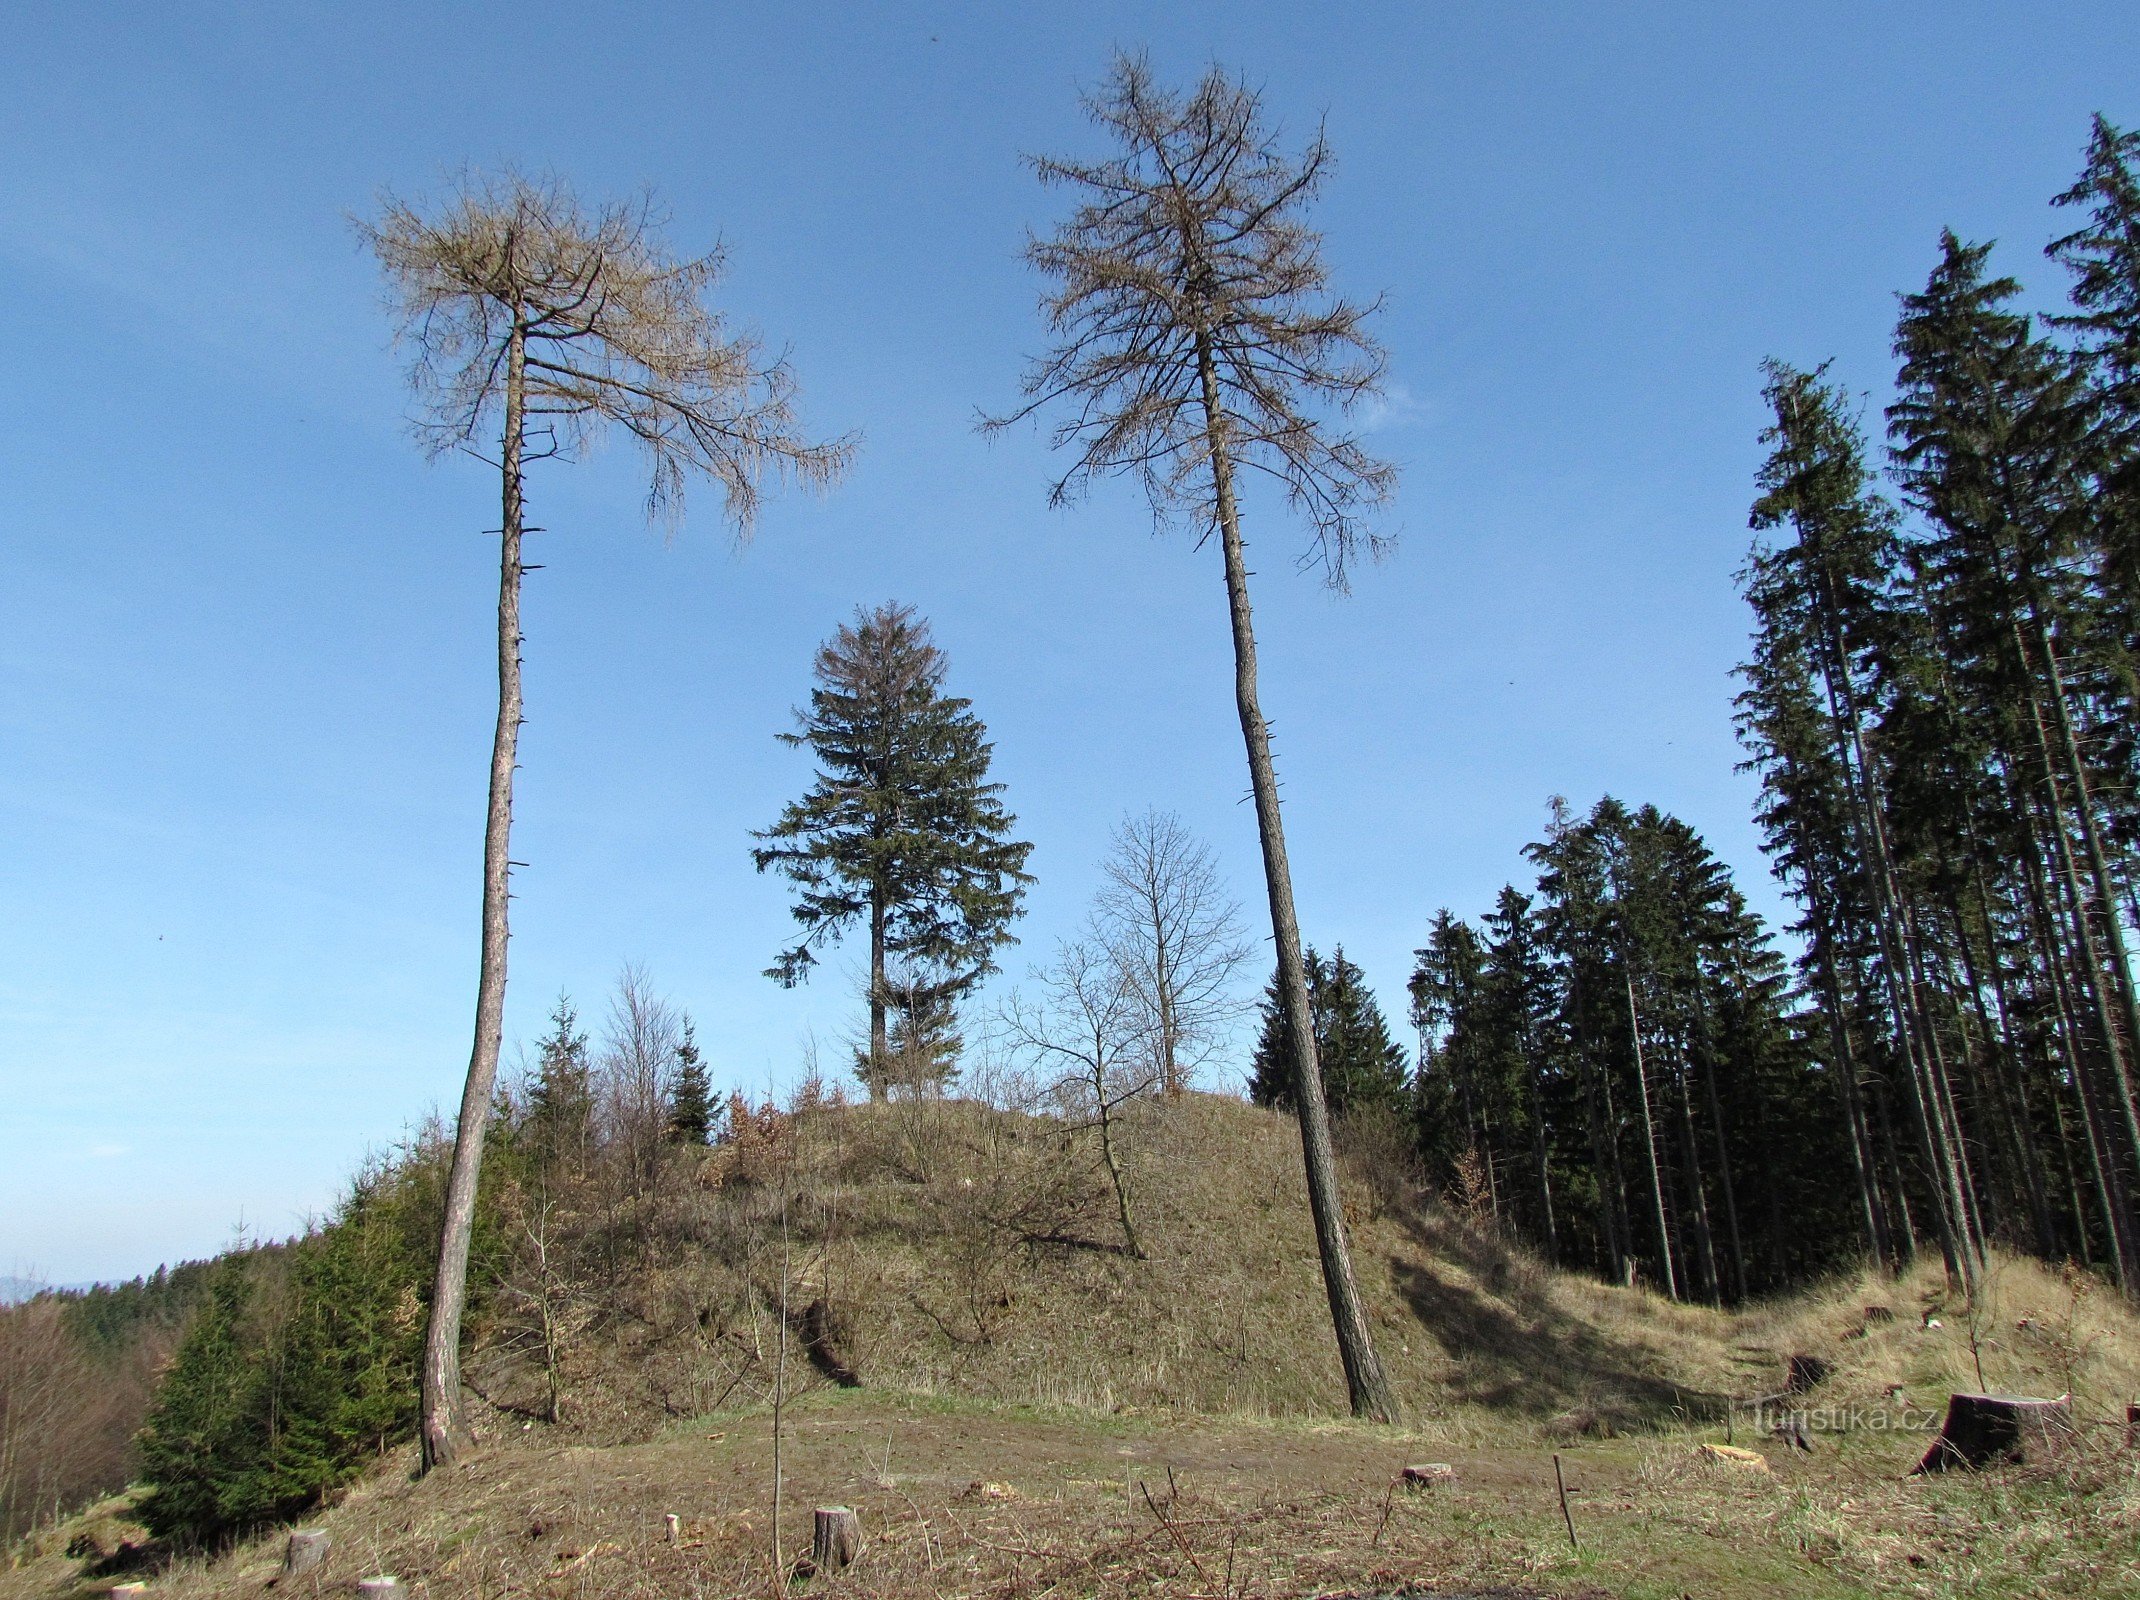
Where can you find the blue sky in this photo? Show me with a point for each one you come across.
(245, 683)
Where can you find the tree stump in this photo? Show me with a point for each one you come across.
(835, 1539)
(307, 1548)
(1425, 1474)
(1801, 1373)
(1983, 1428)
(380, 1588)
(2132, 1424)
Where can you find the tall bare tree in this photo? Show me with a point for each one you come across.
(1176, 933)
(1196, 339)
(536, 323)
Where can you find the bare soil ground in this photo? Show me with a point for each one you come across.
(963, 1499)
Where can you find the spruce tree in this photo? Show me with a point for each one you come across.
(902, 828)
(924, 1039)
(199, 1417)
(690, 1093)
(1364, 1069)
(560, 1111)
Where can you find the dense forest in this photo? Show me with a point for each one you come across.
(1940, 706)
(1617, 1064)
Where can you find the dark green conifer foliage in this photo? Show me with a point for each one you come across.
(1695, 1162)
(924, 1040)
(560, 1113)
(299, 1370)
(902, 829)
(1364, 1070)
(691, 1108)
(200, 1416)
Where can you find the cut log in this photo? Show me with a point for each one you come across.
(1425, 1474)
(1801, 1373)
(836, 1538)
(1733, 1456)
(128, 1591)
(307, 1548)
(380, 1588)
(1985, 1428)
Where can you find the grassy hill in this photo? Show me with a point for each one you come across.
(1024, 1384)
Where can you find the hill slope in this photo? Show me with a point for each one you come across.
(1025, 1384)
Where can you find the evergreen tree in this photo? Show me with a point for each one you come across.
(691, 1109)
(300, 1368)
(1364, 1069)
(199, 1416)
(924, 1039)
(901, 827)
(560, 1113)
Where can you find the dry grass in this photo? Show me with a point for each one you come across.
(974, 1252)
(961, 1256)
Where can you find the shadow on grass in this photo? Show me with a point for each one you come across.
(1514, 1349)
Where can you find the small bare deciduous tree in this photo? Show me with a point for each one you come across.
(536, 323)
(632, 1077)
(1087, 1034)
(1170, 925)
(1196, 340)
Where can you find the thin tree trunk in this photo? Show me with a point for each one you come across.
(1712, 1286)
(1365, 1383)
(1107, 1154)
(2118, 962)
(444, 1426)
(1540, 1165)
(1711, 1061)
(1958, 1244)
(1649, 1144)
(879, 1046)
(1862, 1156)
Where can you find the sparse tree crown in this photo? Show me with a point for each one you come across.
(616, 331)
(1185, 288)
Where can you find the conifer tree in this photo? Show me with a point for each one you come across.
(199, 1416)
(901, 830)
(560, 1112)
(1198, 345)
(691, 1109)
(536, 324)
(1364, 1069)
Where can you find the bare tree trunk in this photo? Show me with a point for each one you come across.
(879, 1047)
(1872, 1210)
(1114, 1166)
(1649, 1144)
(444, 1424)
(1365, 1383)
(2117, 961)
(1169, 1026)
(1711, 1059)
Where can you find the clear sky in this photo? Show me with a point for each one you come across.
(245, 630)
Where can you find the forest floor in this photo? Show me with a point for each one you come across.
(969, 1499)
